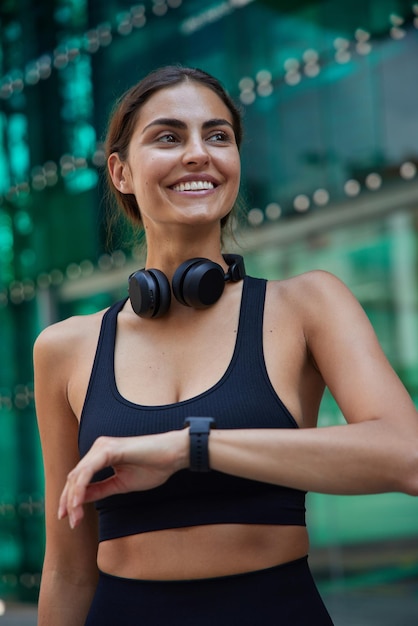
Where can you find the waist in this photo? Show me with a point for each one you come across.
(202, 551)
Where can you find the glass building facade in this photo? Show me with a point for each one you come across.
(329, 94)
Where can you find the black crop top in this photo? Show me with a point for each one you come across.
(242, 398)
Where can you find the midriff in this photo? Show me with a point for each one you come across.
(202, 551)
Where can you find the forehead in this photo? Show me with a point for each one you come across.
(189, 101)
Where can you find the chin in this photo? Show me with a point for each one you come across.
(200, 218)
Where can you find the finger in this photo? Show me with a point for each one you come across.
(74, 494)
(62, 505)
(78, 481)
(103, 489)
(67, 506)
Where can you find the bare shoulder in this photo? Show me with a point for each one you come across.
(316, 291)
(313, 282)
(68, 336)
(63, 357)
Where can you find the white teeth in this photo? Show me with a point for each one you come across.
(194, 185)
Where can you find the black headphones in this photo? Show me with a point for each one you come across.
(198, 283)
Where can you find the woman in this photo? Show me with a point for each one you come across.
(178, 544)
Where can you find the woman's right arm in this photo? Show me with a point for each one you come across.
(69, 574)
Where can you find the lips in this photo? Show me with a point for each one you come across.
(193, 185)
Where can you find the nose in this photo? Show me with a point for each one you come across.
(195, 152)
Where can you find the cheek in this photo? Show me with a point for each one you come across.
(235, 172)
(235, 166)
(155, 171)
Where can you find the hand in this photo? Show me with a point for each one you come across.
(139, 463)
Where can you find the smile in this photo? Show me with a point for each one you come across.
(193, 185)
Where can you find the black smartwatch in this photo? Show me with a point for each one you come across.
(199, 440)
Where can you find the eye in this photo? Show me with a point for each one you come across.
(167, 138)
(219, 136)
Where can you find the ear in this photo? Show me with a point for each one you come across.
(120, 173)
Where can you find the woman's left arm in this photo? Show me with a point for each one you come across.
(377, 450)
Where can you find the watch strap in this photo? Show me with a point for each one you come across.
(199, 429)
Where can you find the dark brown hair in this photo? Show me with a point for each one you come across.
(125, 114)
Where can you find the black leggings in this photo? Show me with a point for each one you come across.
(284, 595)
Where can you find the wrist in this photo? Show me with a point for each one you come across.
(181, 446)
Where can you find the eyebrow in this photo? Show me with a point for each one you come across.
(175, 123)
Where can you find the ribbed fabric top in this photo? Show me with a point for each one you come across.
(243, 398)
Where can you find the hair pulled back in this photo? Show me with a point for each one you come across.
(126, 111)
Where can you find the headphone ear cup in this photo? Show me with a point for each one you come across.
(198, 283)
(150, 293)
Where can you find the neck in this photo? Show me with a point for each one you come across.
(168, 253)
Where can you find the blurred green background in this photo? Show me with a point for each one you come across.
(329, 93)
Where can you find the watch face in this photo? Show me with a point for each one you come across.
(200, 424)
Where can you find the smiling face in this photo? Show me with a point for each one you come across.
(183, 163)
